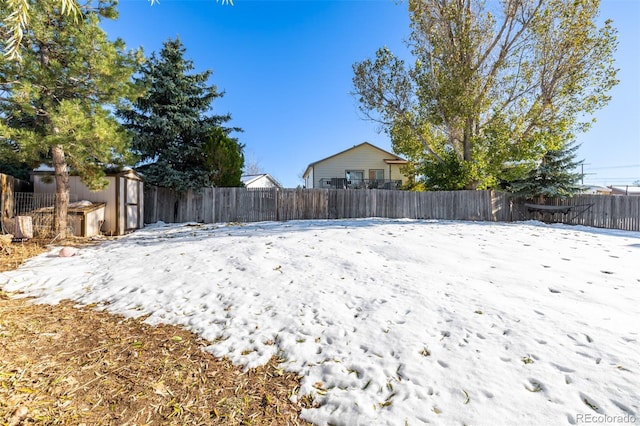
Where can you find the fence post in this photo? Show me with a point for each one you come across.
(6, 196)
(155, 204)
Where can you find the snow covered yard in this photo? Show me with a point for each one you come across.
(390, 321)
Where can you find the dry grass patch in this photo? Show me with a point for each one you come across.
(13, 255)
(66, 365)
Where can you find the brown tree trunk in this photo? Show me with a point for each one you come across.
(467, 154)
(62, 191)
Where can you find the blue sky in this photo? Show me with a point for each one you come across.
(286, 68)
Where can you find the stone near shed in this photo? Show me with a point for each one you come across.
(67, 252)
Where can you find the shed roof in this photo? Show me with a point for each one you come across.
(110, 170)
(625, 189)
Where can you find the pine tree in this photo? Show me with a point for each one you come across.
(225, 159)
(170, 122)
(555, 176)
(55, 103)
(17, 169)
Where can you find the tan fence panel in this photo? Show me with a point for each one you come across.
(256, 205)
(599, 211)
(298, 204)
(212, 205)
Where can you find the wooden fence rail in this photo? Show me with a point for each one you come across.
(219, 205)
(216, 205)
(213, 205)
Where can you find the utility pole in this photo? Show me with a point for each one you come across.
(582, 171)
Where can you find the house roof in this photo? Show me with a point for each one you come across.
(595, 189)
(249, 179)
(393, 159)
(625, 189)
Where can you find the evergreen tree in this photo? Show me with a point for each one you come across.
(170, 123)
(555, 176)
(17, 169)
(225, 159)
(56, 102)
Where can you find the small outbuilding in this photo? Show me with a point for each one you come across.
(122, 199)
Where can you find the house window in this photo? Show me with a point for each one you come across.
(376, 174)
(376, 178)
(355, 178)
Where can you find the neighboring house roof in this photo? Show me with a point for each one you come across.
(393, 159)
(595, 189)
(254, 180)
(625, 190)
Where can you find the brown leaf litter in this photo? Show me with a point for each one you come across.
(60, 365)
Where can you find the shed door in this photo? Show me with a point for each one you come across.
(132, 198)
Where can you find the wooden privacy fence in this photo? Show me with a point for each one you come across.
(9, 186)
(212, 205)
(215, 205)
(600, 211)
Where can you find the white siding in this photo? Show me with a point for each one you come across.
(46, 184)
(122, 205)
(262, 182)
(131, 204)
(130, 218)
(394, 172)
(309, 179)
(132, 191)
(93, 221)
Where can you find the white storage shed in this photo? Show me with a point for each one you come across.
(123, 197)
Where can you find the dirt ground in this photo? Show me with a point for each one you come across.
(62, 365)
